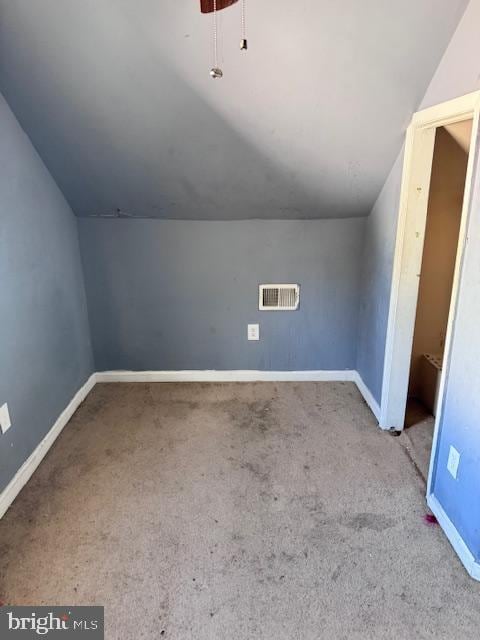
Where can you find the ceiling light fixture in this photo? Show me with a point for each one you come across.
(244, 41)
(215, 72)
(214, 6)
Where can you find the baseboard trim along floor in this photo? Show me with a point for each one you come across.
(345, 375)
(25, 472)
(461, 549)
(27, 469)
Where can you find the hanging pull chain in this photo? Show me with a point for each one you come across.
(215, 72)
(244, 41)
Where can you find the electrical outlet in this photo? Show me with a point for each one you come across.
(453, 462)
(5, 423)
(254, 332)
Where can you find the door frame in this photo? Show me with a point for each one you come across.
(417, 168)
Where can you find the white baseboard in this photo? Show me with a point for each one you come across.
(25, 472)
(367, 395)
(461, 549)
(346, 375)
(27, 469)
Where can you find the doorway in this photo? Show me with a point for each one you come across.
(440, 249)
(457, 119)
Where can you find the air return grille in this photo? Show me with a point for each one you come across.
(278, 297)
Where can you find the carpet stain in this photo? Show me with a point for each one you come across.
(251, 416)
(370, 521)
(234, 510)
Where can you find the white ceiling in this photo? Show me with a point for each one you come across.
(117, 98)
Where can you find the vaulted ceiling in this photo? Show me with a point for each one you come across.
(117, 98)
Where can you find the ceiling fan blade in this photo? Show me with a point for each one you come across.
(207, 5)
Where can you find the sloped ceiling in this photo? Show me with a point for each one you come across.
(116, 97)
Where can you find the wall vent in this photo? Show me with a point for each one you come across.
(278, 297)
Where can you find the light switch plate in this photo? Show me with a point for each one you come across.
(5, 422)
(254, 332)
(453, 462)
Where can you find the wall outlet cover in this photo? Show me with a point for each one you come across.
(254, 332)
(453, 462)
(5, 422)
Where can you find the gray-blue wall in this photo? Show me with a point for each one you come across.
(45, 351)
(179, 294)
(379, 248)
(460, 425)
(458, 74)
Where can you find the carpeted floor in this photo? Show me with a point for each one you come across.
(235, 512)
(418, 435)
